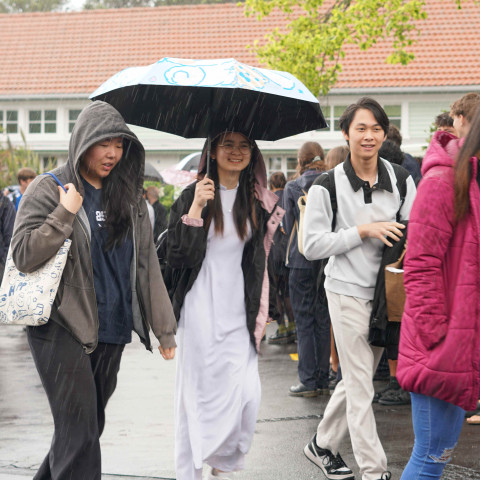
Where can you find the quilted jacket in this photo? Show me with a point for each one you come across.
(439, 352)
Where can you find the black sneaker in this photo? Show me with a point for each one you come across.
(386, 476)
(395, 397)
(301, 390)
(392, 385)
(332, 466)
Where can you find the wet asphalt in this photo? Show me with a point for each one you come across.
(139, 435)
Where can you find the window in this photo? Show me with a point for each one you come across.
(11, 125)
(72, 118)
(35, 121)
(47, 118)
(394, 113)
(292, 163)
(337, 113)
(1, 122)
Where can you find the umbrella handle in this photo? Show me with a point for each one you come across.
(209, 146)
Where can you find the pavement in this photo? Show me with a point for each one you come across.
(138, 440)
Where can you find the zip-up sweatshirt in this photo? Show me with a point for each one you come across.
(353, 266)
(42, 225)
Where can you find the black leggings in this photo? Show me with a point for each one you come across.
(78, 387)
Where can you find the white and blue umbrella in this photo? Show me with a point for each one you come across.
(197, 98)
(201, 98)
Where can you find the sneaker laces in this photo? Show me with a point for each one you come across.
(338, 463)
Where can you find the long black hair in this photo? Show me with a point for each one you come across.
(119, 192)
(244, 209)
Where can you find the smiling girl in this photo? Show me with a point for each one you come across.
(219, 238)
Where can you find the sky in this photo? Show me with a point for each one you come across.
(74, 5)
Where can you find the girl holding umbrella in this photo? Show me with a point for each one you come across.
(219, 237)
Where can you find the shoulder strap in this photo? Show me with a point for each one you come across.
(401, 175)
(333, 196)
(56, 179)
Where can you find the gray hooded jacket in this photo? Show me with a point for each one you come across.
(42, 225)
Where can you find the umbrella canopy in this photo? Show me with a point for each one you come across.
(200, 98)
(151, 173)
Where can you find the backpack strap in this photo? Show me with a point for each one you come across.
(333, 197)
(401, 174)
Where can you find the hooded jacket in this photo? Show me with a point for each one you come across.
(439, 353)
(42, 225)
(187, 245)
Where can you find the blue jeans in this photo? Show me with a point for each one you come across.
(313, 328)
(437, 425)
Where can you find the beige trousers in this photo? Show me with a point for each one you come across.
(350, 407)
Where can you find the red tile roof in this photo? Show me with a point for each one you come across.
(62, 53)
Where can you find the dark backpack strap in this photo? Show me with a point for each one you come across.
(401, 175)
(333, 197)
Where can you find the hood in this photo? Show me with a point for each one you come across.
(266, 198)
(98, 121)
(306, 179)
(442, 151)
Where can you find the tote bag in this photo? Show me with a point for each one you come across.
(27, 298)
(395, 289)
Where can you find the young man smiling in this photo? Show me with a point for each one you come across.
(368, 200)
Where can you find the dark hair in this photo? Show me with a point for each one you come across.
(364, 103)
(277, 180)
(244, 205)
(466, 106)
(118, 196)
(394, 134)
(443, 120)
(336, 155)
(391, 151)
(310, 157)
(463, 171)
(25, 174)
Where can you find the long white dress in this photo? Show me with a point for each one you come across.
(218, 386)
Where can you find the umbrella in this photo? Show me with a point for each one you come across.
(151, 173)
(199, 98)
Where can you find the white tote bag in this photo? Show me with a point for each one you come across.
(27, 298)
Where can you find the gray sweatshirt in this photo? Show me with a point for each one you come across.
(42, 224)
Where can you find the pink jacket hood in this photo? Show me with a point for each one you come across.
(439, 352)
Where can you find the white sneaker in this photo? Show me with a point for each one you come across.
(219, 475)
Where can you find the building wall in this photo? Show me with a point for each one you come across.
(413, 112)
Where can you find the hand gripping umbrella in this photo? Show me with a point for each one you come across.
(201, 98)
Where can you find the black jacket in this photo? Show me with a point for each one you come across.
(378, 332)
(186, 248)
(7, 219)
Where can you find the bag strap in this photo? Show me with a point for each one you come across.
(401, 174)
(56, 179)
(333, 197)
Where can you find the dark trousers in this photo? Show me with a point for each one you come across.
(313, 328)
(78, 387)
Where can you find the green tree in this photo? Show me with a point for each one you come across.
(22, 6)
(312, 46)
(13, 158)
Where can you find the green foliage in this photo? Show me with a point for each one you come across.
(168, 193)
(312, 47)
(13, 158)
(21, 6)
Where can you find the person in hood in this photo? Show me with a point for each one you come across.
(110, 286)
(219, 237)
(311, 314)
(439, 352)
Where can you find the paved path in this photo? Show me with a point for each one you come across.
(138, 438)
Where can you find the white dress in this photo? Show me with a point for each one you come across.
(218, 386)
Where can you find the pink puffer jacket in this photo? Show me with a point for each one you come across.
(439, 352)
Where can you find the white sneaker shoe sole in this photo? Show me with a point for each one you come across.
(318, 462)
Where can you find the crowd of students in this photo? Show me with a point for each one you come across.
(228, 234)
